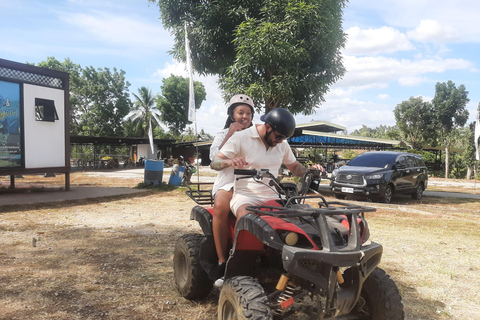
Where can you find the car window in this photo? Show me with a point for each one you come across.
(411, 161)
(402, 160)
(373, 160)
(420, 162)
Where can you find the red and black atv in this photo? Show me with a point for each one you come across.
(290, 260)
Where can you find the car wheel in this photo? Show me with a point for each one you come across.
(418, 193)
(387, 194)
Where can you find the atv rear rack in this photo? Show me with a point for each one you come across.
(201, 193)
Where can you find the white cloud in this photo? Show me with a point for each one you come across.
(376, 72)
(383, 96)
(128, 31)
(376, 41)
(434, 32)
(410, 81)
(463, 15)
(352, 113)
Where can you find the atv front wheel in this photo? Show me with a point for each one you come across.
(379, 300)
(243, 298)
(192, 281)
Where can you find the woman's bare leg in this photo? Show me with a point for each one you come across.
(221, 209)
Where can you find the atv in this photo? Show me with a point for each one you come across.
(289, 259)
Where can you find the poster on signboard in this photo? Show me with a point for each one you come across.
(10, 135)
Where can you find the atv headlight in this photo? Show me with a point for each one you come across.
(291, 238)
(375, 176)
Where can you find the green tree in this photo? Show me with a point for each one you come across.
(142, 112)
(174, 102)
(281, 53)
(75, 85)
(450, 114)
(470, 150)
(414, 119)
(98, 98)
(105, 101)
(380, 132)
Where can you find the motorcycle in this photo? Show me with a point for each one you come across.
(289, 258)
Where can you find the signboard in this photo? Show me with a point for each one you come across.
(10, 128)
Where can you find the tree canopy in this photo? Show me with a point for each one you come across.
(173, 103)
(99, 98)
(104, 101)
(281, 53)
(415, 120)
(144, 109)
(450, 114)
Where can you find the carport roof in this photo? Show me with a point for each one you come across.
(117, 140)
(310, 138)
(319, 126)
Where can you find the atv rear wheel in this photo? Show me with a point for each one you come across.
(243, 298)
(379, 300)
(192, 281)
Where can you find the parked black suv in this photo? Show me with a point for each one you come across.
(380, 174)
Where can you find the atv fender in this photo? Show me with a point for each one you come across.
(252, 233)
(204, 218)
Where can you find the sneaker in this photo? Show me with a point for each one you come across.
(217, 273)
(219, 283)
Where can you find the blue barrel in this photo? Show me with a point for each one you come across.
(153, 172)
(176, 175)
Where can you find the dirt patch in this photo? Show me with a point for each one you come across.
(112, 259)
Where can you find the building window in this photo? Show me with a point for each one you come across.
(45, 110)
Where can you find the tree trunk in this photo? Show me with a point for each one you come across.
(469, 173)
(447, 162)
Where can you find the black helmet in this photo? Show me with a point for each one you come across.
(281, 121)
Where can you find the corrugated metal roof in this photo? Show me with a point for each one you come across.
(325, 139)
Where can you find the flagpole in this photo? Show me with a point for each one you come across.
(191, 99)
(477, 153)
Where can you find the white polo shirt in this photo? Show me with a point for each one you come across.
(249, 145)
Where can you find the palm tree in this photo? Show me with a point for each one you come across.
(144, 109)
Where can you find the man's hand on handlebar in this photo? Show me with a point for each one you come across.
(317, 171)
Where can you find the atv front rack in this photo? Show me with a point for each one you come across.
(292, 208)
(201, 193)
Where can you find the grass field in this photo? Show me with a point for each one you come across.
(112, 258)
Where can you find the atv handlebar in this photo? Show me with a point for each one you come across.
(253, 173)
(246, 172)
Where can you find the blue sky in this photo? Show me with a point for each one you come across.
(396, 49)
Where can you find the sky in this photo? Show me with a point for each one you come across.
(396, 49)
